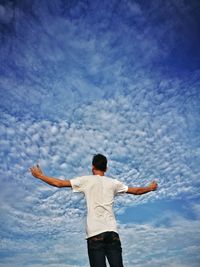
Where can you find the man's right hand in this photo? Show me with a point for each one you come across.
(153, 186)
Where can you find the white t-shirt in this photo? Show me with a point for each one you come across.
(99, 192)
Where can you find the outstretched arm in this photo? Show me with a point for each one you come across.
(37, 172)
(142, 190)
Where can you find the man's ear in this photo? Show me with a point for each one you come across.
(93, 168)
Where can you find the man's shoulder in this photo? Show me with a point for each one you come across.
(111, 179)
(82, 177)
(114, 180)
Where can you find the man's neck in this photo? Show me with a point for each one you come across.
(97, 172)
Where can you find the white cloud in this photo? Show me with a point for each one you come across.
(140, 148)
(150, 245)
(53, 240)
(76, 86)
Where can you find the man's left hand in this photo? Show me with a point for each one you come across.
(36, 171)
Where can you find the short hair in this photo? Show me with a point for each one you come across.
(99, 161)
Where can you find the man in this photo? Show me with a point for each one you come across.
(101, 231)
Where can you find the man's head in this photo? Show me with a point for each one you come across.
(99, 163)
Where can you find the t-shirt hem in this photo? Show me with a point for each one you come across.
(100, 232)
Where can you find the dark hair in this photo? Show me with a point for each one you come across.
(99, 162)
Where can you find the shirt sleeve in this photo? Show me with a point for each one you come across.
(120, 187)
(78, 184)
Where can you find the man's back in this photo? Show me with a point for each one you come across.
(99, 192)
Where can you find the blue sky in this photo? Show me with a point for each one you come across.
(120, 78)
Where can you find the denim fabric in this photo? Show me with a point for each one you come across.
(105, 245)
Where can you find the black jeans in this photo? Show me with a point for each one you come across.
(105, 245)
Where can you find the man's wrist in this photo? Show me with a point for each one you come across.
(150, 188)
(40, 176)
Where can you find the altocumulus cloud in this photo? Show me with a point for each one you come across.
(151, 244)
(141, 145)
(84, 78)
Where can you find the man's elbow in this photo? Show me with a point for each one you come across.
(133, 191)
(56, 184)
(59, 185)
(63, 183)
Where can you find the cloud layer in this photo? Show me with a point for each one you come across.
(119, 78)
